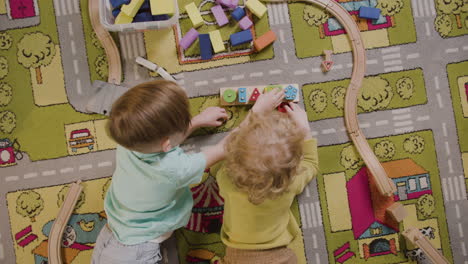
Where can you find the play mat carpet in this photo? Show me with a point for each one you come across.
(413, 108)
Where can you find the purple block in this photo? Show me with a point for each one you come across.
(189, 38)
(225, 3)
(233, 3)
(218, 12)
(245, 23)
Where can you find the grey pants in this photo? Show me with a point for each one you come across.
(108, 250)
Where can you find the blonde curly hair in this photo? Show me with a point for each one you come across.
(264, 155)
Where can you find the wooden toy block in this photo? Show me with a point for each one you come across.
(256, 7)
(233, 3)
(219, 15)
(229, 95)
(291, 92)
(369, 12)
(142, 17)
(122, 18)
(240, 37)
(242, 95)
(264, 40)
(415, 236)
(251, 92)
(118, 3)
(205, 46)
(397, 211)
(194, 14)
(255, 95)
(189, 38)
(327, 63)
(225, 3)
(238, 13)
(281, 107)
(132, 8)
(245, 23)
(217, 41)
(162, 7)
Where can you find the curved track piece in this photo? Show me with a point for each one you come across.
(56, 232)
(112, 52)
(384, 184)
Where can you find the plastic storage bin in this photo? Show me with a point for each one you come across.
(107, 19)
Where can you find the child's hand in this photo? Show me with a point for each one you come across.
(299, 116)
(268, 101)
(210, 117)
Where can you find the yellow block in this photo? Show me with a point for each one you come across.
(337, 201)
(256, 7)
(217, 41)
(122, 18)
(463, 99)
(132, 8)
(194, 14)
(162, 7)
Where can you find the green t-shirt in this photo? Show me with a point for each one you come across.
(149, 194)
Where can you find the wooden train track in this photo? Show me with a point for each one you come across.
(56, 232)
(112, 52)
(384, 184)
(413, 235)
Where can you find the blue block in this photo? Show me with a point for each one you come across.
(160, 17)
(143, 16)
(206, 50)
(118, 3)
(241, 37)
(242, 95)
(369, 12)
(145, 6)
(291, 92)
(238, 13)
(116, 12)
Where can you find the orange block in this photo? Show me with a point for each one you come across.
(264, 40)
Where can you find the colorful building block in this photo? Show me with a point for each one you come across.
(118, 3)
(240, 37)
(233, 3)
(271, 87)
(245, 23)
(290, 92)
(122, 18)
(132, 9)
(189, 38)
(256, 7)
(143, 16)
(238, 13)
(281, 107)
(217, 41)
(242, 95)
(162, 7)
(219, 15)
(229, 95)
(255, 95)
(194, 14)
(206, 50)
(225, 3)
(369, 12)
(264, 40)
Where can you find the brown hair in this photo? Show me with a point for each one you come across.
(264, 155)
(148, 113)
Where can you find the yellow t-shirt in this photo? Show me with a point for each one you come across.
(270, 224)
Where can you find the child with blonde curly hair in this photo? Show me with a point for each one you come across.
(269, 160)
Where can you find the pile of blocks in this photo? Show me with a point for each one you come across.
(128, 11)
(212, 42)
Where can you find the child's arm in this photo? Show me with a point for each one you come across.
(215, 153)
(310, 161)
(210, 117)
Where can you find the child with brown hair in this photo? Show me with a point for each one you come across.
(149, 196)
(268, 162)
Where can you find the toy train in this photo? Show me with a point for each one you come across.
(249, 94)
